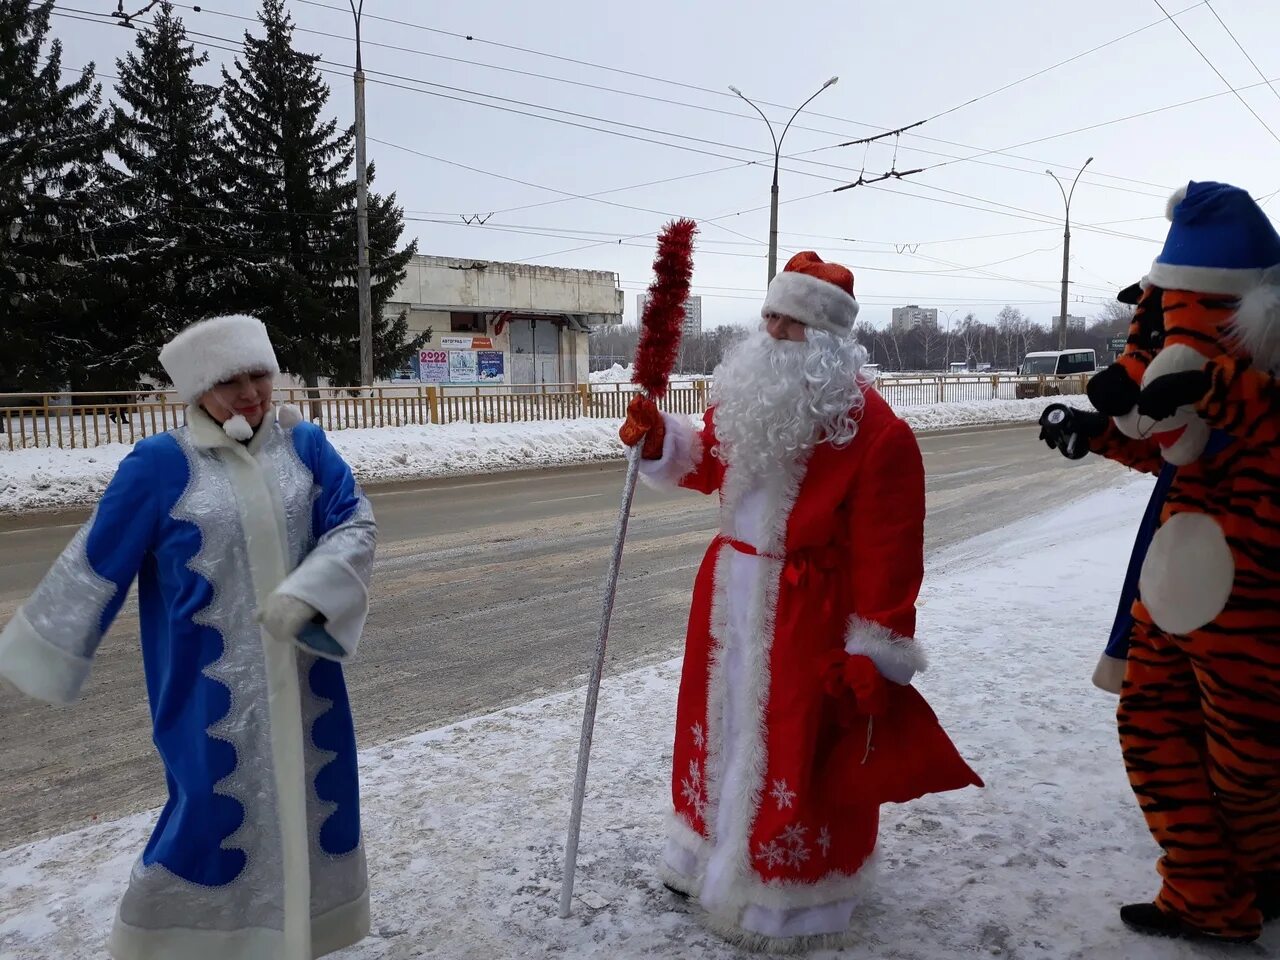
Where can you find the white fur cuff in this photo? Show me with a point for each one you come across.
(898, 658)
(37, 667)
(679, 454)
(330, 585)
(813, 302)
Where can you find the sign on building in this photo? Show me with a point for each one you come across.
(462, 366)
(434, 366)
(466, 343)
(490, 367)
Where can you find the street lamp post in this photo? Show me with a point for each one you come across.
(362, 215)
(777, 158)
(950, 315)
(1066, 248)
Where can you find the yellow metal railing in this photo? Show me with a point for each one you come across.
(76, 420)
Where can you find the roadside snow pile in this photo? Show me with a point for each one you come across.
(49, 478)
(975, 413)
(620, 374)
(465, 825)
(615, 374)
(46, 479)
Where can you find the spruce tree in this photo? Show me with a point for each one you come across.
(52, 138)
(171, 251)
(289, 186)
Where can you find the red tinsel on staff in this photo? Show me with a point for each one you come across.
(663, 320)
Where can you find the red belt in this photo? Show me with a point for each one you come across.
(800, 564)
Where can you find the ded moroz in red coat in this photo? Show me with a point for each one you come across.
(778, 779)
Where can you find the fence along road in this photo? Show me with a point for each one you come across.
(80, 420)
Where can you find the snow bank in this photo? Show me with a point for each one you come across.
(975, 413)
(50, 478)
(465, 825)
(620, 374)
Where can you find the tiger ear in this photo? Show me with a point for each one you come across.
(1131, 294)
(1255, 329)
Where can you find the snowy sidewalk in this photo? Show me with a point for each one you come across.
(44, 479)
(465, 824)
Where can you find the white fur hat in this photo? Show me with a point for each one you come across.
(211, 351)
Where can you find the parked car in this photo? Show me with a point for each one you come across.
(1051, 373)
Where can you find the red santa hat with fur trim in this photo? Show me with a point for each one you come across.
(813, 292)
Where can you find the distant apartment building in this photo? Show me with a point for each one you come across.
(692, 313)
(910, 317)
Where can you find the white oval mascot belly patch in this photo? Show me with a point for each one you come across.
(1187, 575)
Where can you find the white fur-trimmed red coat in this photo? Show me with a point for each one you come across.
(836, 548)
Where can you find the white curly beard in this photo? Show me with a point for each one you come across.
(776, 400)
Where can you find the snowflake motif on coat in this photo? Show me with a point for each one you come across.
(790, 848)
(693, 790)
(783, 795)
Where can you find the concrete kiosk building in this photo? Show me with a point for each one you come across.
(503, 323)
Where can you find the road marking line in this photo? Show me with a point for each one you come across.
(61, 526)
(585, 496)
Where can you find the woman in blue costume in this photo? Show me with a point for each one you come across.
(252, 547)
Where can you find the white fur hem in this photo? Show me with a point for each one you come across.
(680, 449)
(37, 667)
(1109, 674)
(1220, 280)
(813, 302)
(330, 932)
(898, 658)
(751, 891)
(760, 943)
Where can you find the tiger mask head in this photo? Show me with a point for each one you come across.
(1212, 291)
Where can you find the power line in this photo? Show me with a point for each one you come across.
(1241, 48)
(729, 113)
(721, 93)
(1275, 136)
(634, 136)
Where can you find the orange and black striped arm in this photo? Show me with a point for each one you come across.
(1141, 455)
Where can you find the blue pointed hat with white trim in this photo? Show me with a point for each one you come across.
(1220, 241)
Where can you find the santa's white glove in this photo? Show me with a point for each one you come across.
(285, 616)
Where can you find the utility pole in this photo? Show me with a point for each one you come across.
(1066, 249)
(362, 215)
(777, 158)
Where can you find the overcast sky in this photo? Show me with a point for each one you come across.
(925, 239)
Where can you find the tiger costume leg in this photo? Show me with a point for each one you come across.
(1164, 736)
(1201, 742)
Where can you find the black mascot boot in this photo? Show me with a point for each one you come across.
(1267, 886)
(1149, 919)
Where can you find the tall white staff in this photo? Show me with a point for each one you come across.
(661, 327)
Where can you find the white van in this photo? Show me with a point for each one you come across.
(1050, 373)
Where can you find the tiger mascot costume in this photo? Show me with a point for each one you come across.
(1193, 398)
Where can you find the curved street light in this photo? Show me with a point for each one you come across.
(777, 158)
(1066, 248)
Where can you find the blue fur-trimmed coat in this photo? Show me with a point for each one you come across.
(257, 852)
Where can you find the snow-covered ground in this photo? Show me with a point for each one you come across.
(465, 825)
(44, 479)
